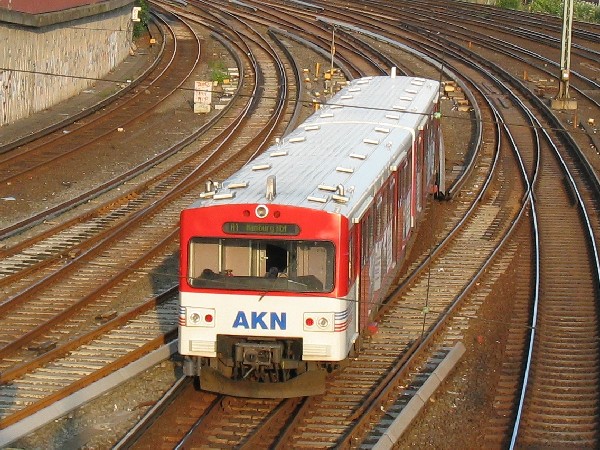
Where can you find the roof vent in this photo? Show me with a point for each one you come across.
(261, 167)
(210, 189)
(271, 187)
(340, 198)
(326, 187)
(358, 156)
(239, 185)
(340, 195)
(224, 196)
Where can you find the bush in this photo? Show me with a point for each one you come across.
(582, 10)
(218, 71)
(586, 11)
(509, 4)
(140, 27)
(554, 7)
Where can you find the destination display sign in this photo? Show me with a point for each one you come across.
(281, 229)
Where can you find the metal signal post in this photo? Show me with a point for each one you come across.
(562, 100)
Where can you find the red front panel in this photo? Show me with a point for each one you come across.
(289, 223)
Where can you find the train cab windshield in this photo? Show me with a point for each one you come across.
(261, 264)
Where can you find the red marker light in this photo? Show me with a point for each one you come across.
(309, 322)
(208, 318)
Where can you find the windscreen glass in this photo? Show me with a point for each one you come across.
(261, 264)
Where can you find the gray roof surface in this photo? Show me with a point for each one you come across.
(353, 142)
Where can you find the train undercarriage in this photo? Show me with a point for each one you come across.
(257, 368)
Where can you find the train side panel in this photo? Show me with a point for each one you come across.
(387, 227)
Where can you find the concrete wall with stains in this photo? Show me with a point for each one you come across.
(41, 66)
(44, 6)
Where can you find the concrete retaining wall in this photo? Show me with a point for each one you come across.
(42, 66)
(38, 7)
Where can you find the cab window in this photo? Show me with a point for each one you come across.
(261, 264)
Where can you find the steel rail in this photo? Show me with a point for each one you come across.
(595, 255)
(133, 435)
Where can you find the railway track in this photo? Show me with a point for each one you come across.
(321, 421)
(493, 218)
(90, 283)
(357, 378)
(563, 327)
(564, 360)
(530, 158)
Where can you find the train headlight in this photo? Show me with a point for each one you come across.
(319, 322)
(195, 318)
(200, 317)
(261, 211)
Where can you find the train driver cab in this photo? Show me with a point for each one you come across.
(261, 264)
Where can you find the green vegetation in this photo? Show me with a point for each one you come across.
(508, 4)
(553, 7)
(583, 11)
(140, 27)
(587, 12)
(218, 71)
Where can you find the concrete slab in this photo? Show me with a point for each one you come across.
(43, 14)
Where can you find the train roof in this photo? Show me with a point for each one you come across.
(339, 157)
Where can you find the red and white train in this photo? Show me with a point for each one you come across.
(286, 262)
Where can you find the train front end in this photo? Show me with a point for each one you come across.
(264, 305)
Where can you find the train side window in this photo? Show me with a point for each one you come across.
(367, 237)
(204, 256)
(351, 257)
(379, 216)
